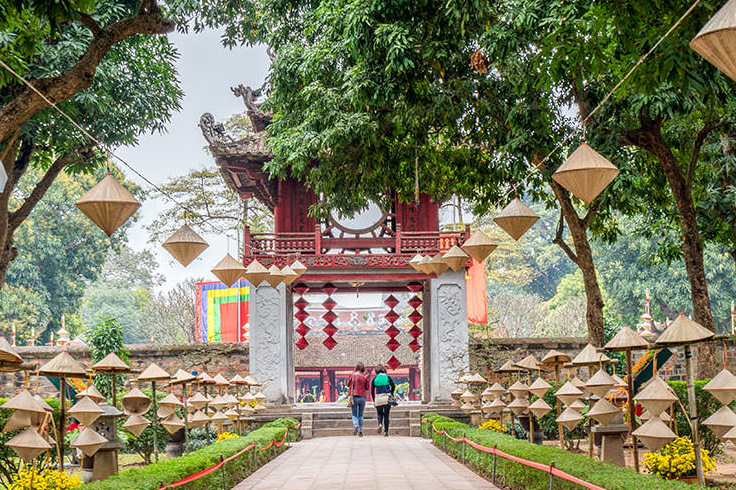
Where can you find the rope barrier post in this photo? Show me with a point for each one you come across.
(255, 459)
(493, 472)
(224, 481)
(551, 476)
(463, 448)
(274, 450)
(444, 441)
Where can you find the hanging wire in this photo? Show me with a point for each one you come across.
(109, 151)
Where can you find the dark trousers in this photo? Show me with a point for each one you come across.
(383, 412)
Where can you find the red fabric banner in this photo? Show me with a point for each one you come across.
(476, 293)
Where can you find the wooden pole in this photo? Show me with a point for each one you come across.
(154, 420)
(206, 410)
(62, 421)
(114, 391)
(560, 431)
(186, 415)
(632, 408)
(591, 436)
(693, 413)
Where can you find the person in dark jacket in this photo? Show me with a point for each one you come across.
(382, 387)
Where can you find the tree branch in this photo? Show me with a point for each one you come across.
(558, 240)
(91, 23)
(592, 210)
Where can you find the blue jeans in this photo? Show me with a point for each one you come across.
(357, 411)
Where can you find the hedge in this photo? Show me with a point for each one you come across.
(516, 476)
(150, 477)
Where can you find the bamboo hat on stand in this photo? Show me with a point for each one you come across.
(64, 365)
(153, 373)
(625, 339)
(539, 408)
(569, 418)
(8, 353)
(722, 387)
(136, 424)
(92, 393)
(721, 421)
(683, 331)
(88, 441)
(603, 411)
(654, 434)
(181, 376)
(28, 444)
(111, 363)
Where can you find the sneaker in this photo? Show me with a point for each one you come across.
(360, 434)
(385, 434)
(380, 429)
(355, 430)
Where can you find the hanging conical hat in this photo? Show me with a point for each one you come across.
(298, 267)
(220, 380)
(21, 419)
(237, 380)
(684, 331)
(589, 356)
(529, 363)
(28, 444)
(468, 396)
(603, 411)
(569, 418)
(437, 265)
(170, 400)
(554, 357)
(715, 41)
(218, 402)
(289, 274)
(252, 381)
(518, 405)
(497, 406)
(721, 421)
(43, 403)
(108, 204)
(199, 419)
(256, 273)
(205, 378)
(455, 258)
(185, 245)
(568, 393)
(248, 398)
(539, 387)
(585, 173)
(507, 367)
(477, 379)
(111, 363)
(414, 262)
(88, 441)
(275, 277)
(182, 376)
(231, 414)
(579, 384)
(656, 396)
(164, 411)
(600, 383)
(63, 365)
(259, 396)
(539, 407)
(92, 393)
(219, 418)
(516, 218)
(24, 401)
(86, 411)
(479, 246)
(626, 339)
(465, 378)
(519, 389)
(136, 424)
(456, 393)
(228, 270)
(153, 373)
(8, 353)
(487, 408)
(423, 265)
(172, 423)
(722, 386)
(487, 395)
(497, 389)
(620, 383)
(577, 405)
(467, 408)
(197, 401)
(135, 402)
(654, 434)
(246, 409)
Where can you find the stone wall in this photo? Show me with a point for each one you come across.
(229, 359)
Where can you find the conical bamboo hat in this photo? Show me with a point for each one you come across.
(275, 277)
(654, 434)
(580, 384)
(423, 265)
(231, 414)
(197, 401)
(519, 405)
(487, 408)
(88, 441)
(516, 218)
(92, 393)
(219, 418)
(656, 396)
(231, 400)
(539, 387)
(585, 173)
(185, 245)
(455, 258)
(569, 418)
(135, 402)
(170, 400)
(468, 396)
(715, 41)
(529, 363)
(86, 411)
(252, 381)
(218, 402)
(8, 353)
(497, 406)
(246, 409)
(456, 393)
(539, 407)
(111, 363)
(600, 383)
(153, 373)
(289, 274)
(603, 411)
(477, 379)
(298, 267)
(730, 435)
(437, 265)
(237, 380)
(205, 378)
(256, 273)
(43, 403)
(684, 331)
(172, 423)
(721, 421)
(487, 394)
(165, 411)
(554, 357)
(507, 367)
(248, 398)
(228, 270)
(260, 397)
(467, 408)
(519, 389)
(626, 339)
(620, 383)
(24, 401)
(722, 386)
(21, 419)
(479, 246)
(108, 204)
(220, 380)
(63, 365)
(28, 444)
(414, 262)
(589, 356)
(199, 419)
(497, 389)
(465, 378)
(136, 424)
(568, 393)
(577, 405)
(182, 376)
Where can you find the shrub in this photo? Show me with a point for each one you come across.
(516, 476)
(172, 470)
(45, 479)
(677, 459)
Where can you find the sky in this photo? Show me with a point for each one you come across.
(206, 72)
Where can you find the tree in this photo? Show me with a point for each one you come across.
(174, 312)
(95, 67)
(104, 338)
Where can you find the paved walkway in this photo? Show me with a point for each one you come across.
(369, 463)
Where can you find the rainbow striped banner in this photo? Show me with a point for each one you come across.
(222, 312)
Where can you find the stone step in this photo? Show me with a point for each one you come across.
(348, 423)
(369, 430)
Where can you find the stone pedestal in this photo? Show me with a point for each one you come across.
(445, 334)
(271, 332)
(612, 447)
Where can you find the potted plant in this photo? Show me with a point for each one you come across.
(676, 461)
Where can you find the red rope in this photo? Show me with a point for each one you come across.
(532, 464)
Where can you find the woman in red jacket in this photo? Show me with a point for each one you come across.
(358, 385)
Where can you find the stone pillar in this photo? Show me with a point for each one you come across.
(448, 332)
(271, 344)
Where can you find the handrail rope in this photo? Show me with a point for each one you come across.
(207, 471)
(533, 464)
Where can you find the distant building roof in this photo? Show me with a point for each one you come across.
(353, 347)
